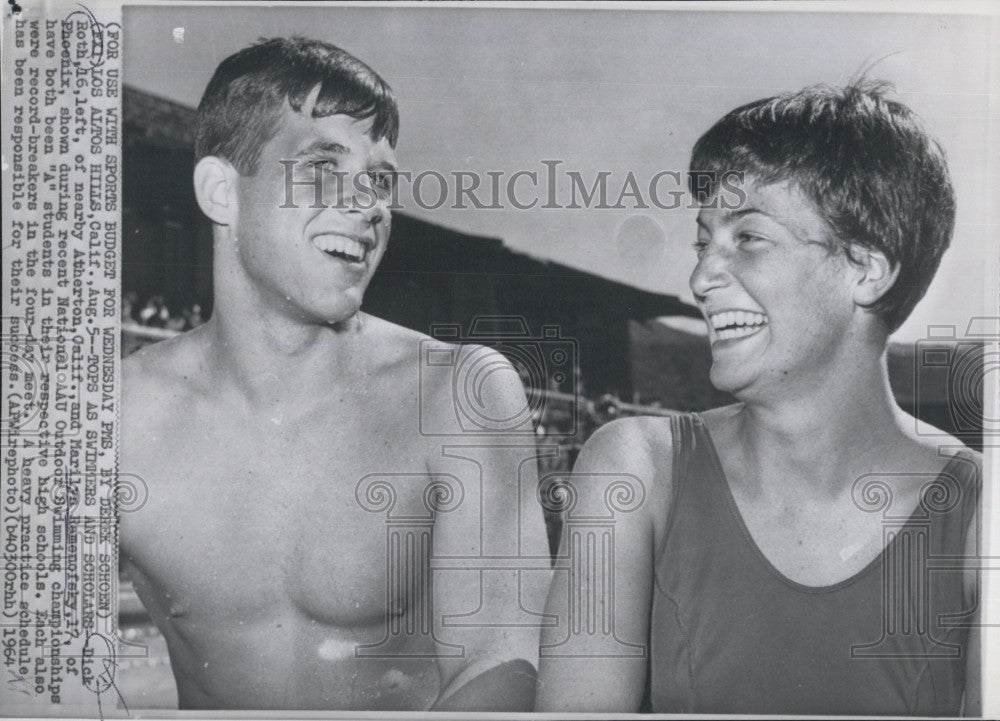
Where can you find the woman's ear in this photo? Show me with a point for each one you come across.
(215, 182)
(876, 275)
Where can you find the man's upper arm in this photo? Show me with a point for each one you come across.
(490, 567)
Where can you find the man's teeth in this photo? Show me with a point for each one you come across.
(736, 323)
(346, 247)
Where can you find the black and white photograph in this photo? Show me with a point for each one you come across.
(614, 359)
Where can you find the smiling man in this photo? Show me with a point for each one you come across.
(261, 554)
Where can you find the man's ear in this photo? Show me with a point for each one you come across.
(875, 276)
(215, 182)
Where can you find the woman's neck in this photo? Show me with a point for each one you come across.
(827, 435)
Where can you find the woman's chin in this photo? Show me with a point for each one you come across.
(732, 378)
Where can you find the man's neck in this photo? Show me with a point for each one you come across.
(264, 350)
(270, 359)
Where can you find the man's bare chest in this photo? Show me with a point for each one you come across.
(250, 518)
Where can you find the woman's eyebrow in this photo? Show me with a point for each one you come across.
(732, 216)
(738, 213)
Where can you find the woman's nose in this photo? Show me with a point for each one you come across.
(710, 272)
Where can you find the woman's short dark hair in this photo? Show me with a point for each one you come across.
(241, 108)
(873, 173)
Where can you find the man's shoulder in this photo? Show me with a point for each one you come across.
(456, 380)
(161, 372)
(440, 361)
(391, 337)
(477, 381)
(385, 330)
(392, 344)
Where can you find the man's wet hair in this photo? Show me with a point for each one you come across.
(242, 105)
(865, 162)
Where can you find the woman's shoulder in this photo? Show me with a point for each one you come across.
(633, 442)
(638, 452)
(931, 449)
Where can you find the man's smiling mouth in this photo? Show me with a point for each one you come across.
(731, 324)
(342, 247)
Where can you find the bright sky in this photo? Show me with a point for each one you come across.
(617, 91)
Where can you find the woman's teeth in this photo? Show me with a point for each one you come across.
(736, 323)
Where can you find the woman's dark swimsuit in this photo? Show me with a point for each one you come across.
(731, 634)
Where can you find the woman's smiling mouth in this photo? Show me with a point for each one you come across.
(733, 324)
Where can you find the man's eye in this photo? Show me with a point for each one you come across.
(383, 180)
(326, 165)
(700, 246)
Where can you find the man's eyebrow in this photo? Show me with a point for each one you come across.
(329, 147)
(386, 165)
(323, 147)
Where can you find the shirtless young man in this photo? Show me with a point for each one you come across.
(258, 553)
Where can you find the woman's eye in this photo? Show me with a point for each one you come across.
(745, 238)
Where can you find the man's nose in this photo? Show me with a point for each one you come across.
(711, 272)
(361, 200)
(370, 210)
